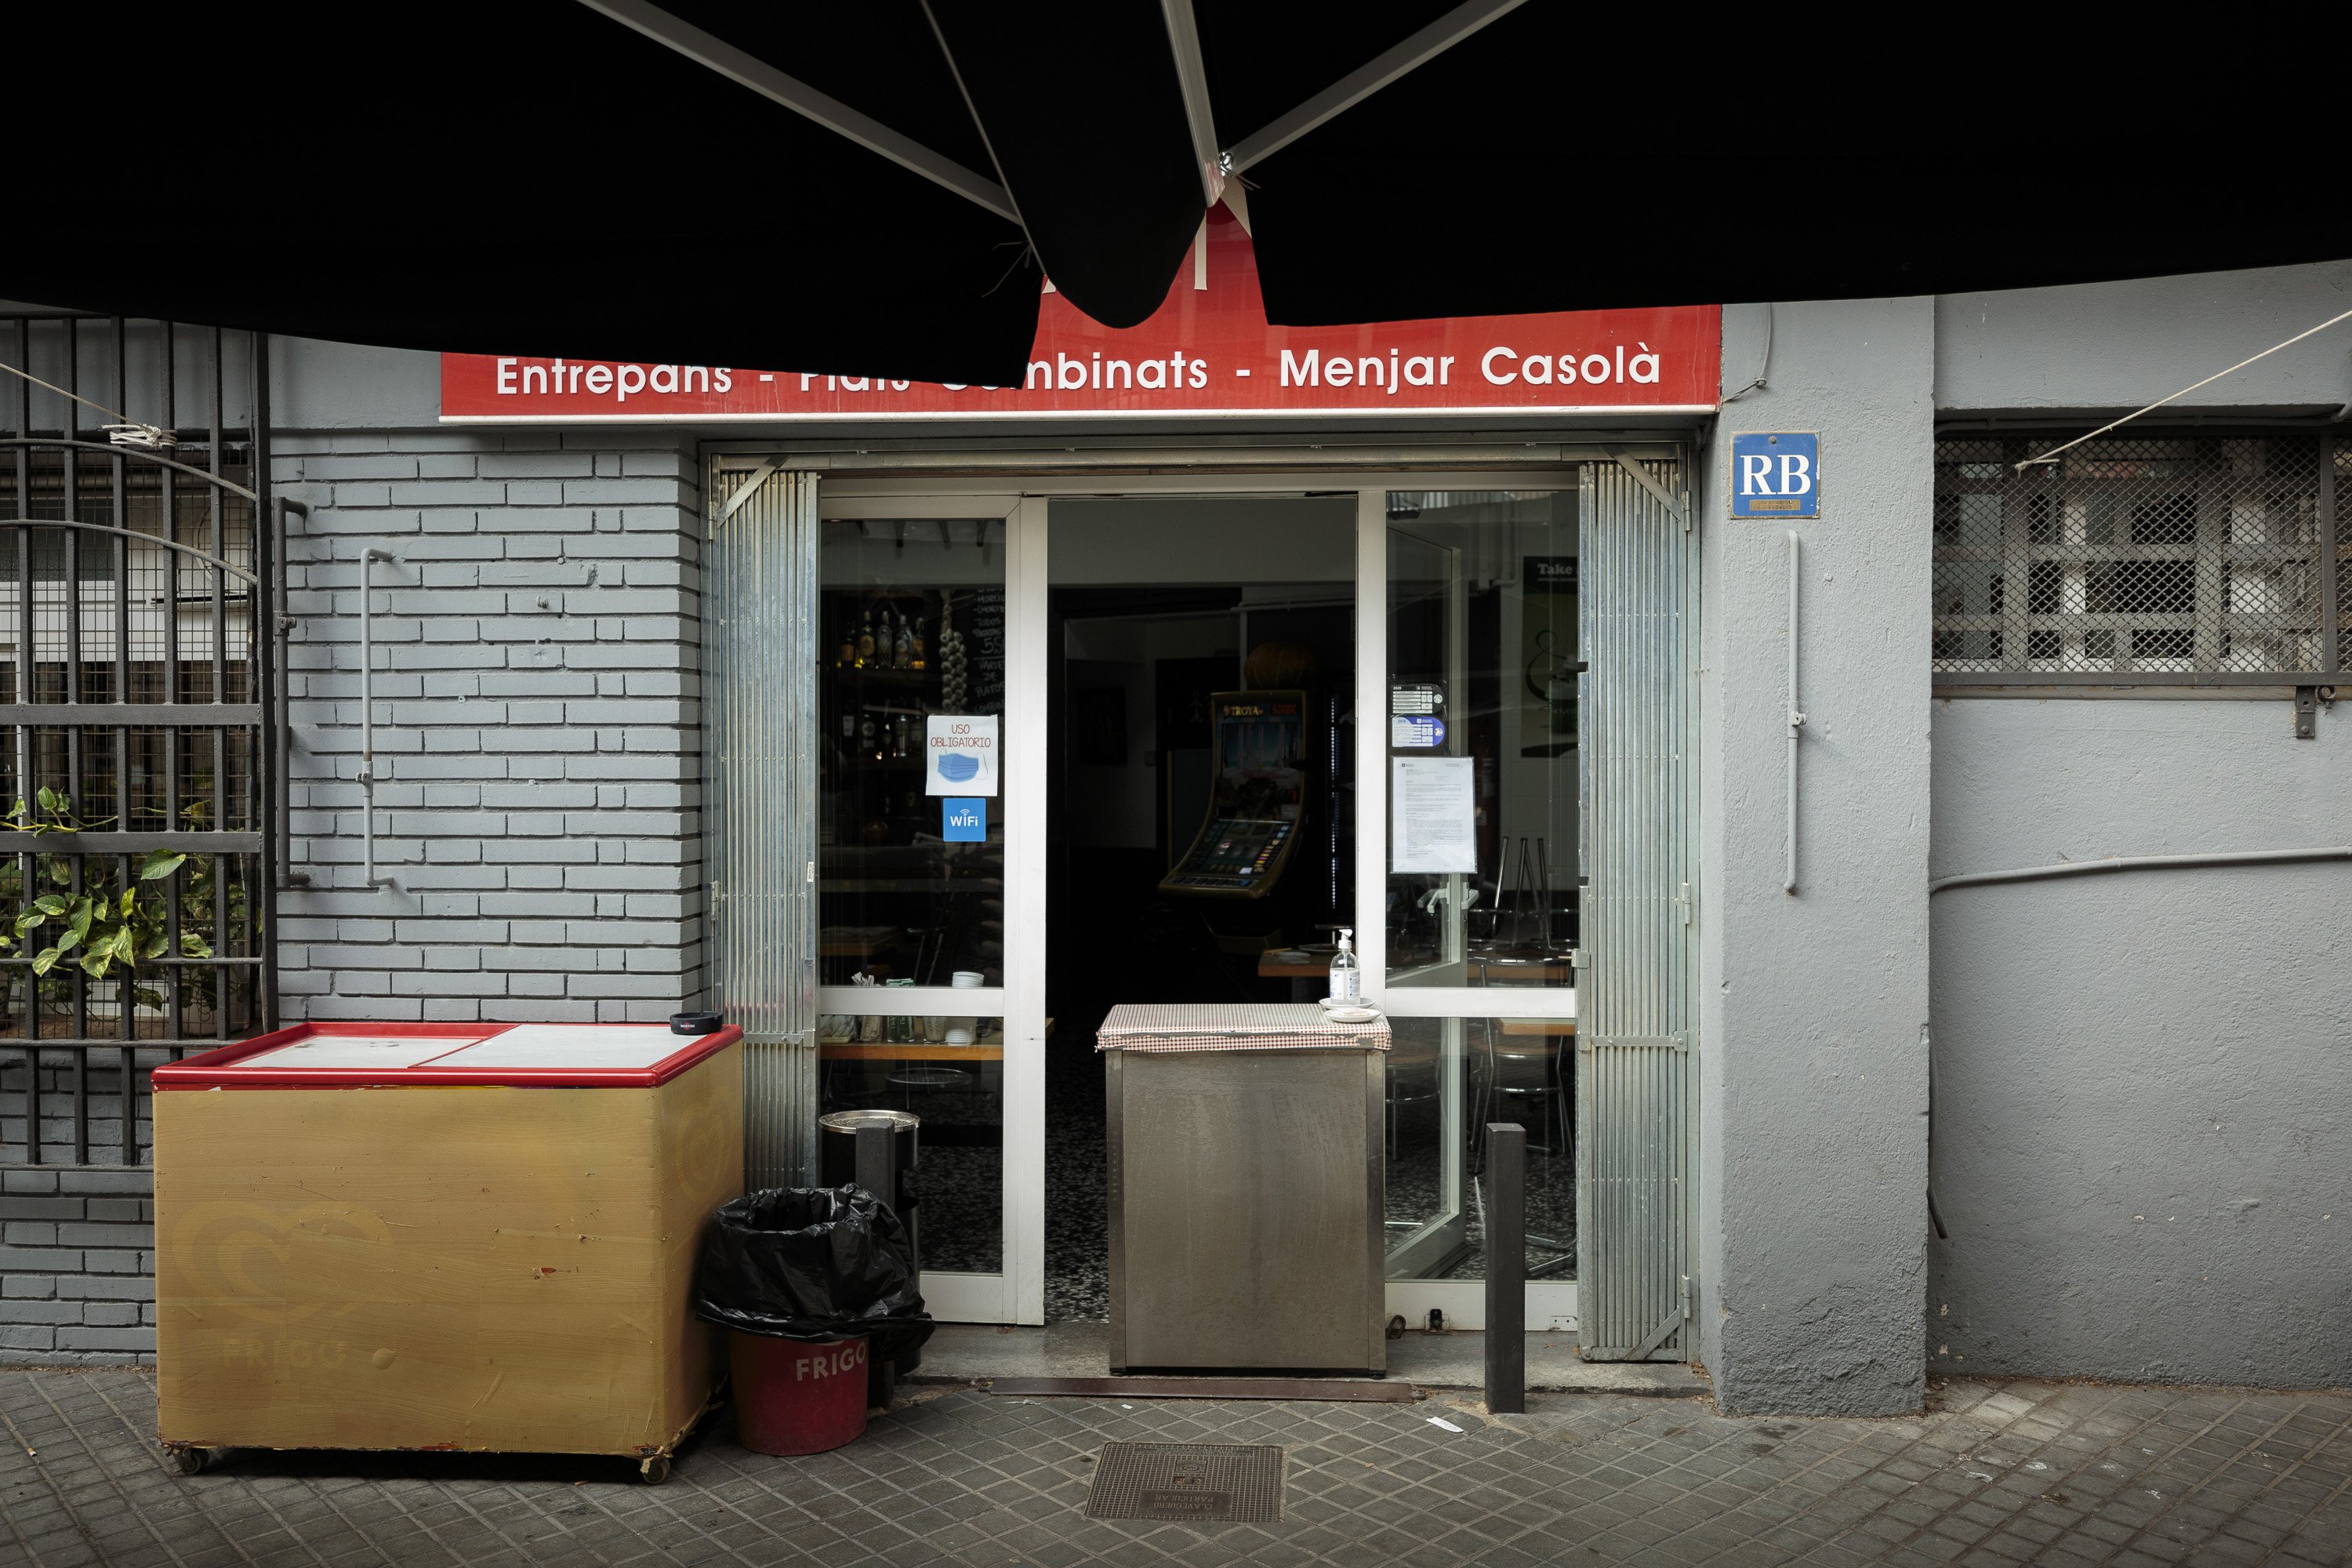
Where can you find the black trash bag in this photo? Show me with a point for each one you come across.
(812, 1264)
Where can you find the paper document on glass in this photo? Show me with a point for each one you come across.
(1434, 803)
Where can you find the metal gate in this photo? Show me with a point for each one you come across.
(1635, 1082)
(760, 658)
(139, 721)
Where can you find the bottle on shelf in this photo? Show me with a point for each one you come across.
(865, 641)
(866, 737)
(1347, 974)
(918, 663)
(903, 654)
(845, 657)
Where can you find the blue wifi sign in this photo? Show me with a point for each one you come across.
(964, 821)
(1776, 476)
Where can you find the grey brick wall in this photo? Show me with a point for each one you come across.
(76, 1267)
(538, 693)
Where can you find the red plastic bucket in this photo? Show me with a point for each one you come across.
(797, 1398)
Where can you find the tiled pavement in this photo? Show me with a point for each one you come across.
(1994, 1473)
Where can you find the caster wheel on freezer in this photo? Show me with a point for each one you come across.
(654, 1470)
(188, 1461)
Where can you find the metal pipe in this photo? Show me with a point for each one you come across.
(1507, 1268)
(2141, 863)
(1796, 715)
(368, 558)
(277, 720)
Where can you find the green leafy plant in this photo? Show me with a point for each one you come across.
(102, 922)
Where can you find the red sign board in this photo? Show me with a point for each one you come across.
(1208, 350)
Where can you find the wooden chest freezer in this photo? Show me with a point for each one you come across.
(441, 1236)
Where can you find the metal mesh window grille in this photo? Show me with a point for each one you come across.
(138, 756)
(2157, 557)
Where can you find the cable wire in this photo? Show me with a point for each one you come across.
(125, 432)
(2052, 455)
(1763, 367)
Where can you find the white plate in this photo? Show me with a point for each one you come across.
(1339, 1013)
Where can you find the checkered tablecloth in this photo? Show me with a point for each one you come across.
(1236, 1026)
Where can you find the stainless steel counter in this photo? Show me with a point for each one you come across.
(1247, 1163)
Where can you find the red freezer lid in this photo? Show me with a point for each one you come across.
(414, 1055)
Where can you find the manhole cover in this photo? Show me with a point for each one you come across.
(1231, 1483)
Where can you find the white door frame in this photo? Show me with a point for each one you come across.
(1017, 1296)
(1549, 1303)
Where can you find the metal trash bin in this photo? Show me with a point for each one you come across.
(837, 1159)
(1247, 1165)
(838, 1135)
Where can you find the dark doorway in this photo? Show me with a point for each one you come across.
(1159, 609)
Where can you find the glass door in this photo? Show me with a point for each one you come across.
(929, 971)
(1472, 730)
(1421, 642)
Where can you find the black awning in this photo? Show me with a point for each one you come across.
(881, 188)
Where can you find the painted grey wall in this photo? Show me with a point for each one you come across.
(2121, 346)
(2165, 1045)
(2143, 1082)
(1812, 1070)
(321, 386)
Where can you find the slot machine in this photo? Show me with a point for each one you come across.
(1257, 801)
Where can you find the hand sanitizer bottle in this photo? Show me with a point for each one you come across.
(1347, 974)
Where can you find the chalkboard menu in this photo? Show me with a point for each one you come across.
(987, 635)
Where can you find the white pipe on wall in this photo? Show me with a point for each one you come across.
(368, 558)
(1796, 716)
(2141, 863)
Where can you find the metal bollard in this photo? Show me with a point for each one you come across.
(1507, 1268)
(878, 1173)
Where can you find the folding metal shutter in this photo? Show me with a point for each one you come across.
(759, 725)
(1634, 1072)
